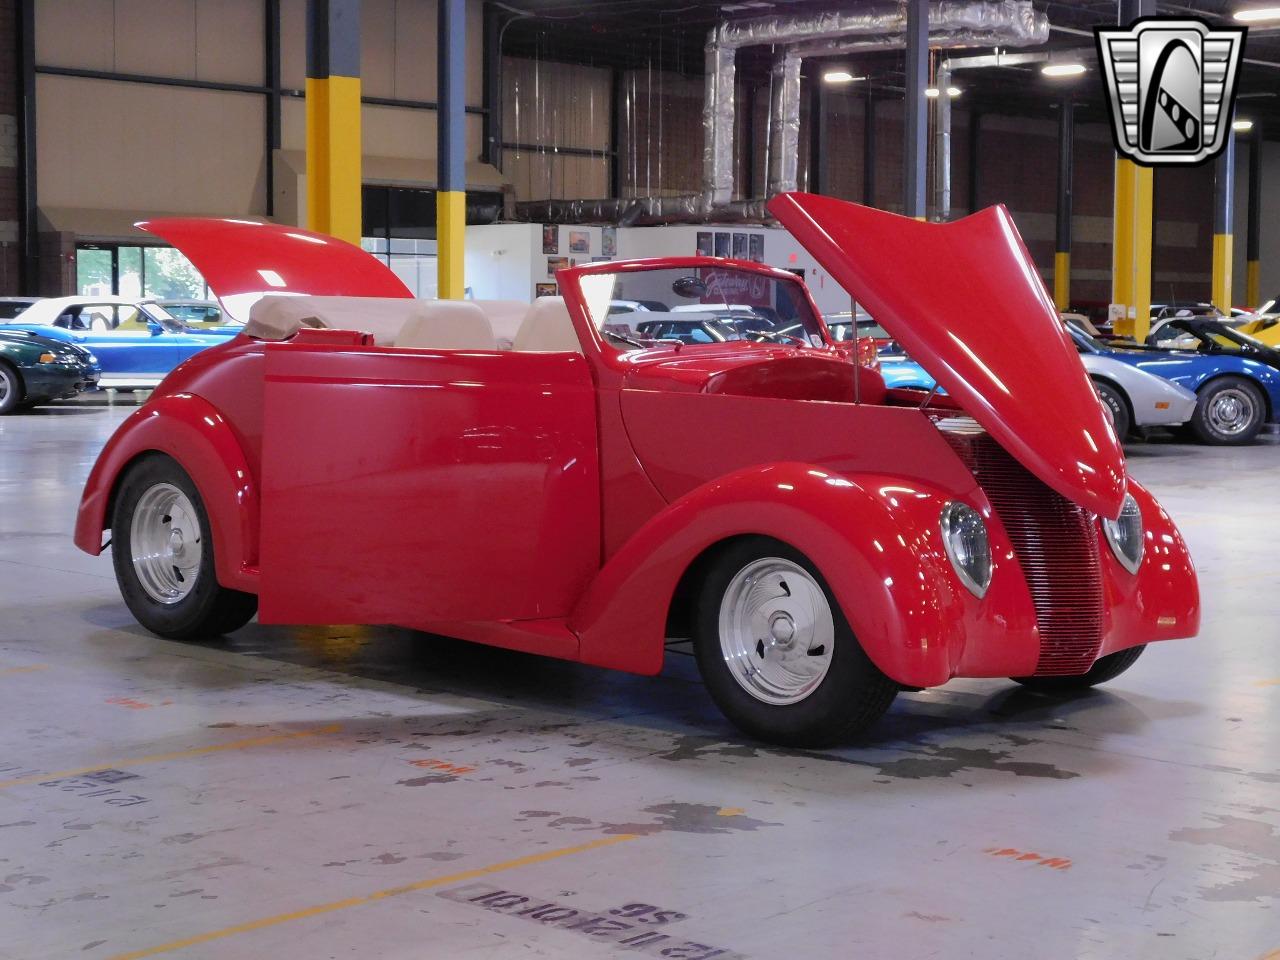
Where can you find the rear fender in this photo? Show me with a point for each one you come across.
(874, 539)
(191, 431)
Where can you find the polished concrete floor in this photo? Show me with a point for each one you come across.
(347, 792)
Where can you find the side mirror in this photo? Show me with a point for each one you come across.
(689, 287)
(154, 328)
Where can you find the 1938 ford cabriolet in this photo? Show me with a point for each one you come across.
(824, 540)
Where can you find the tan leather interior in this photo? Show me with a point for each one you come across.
(447, 325)
(505, 316)
(280, 317)
(547, 328)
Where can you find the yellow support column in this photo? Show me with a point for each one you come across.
(1062, 280)
(1224, 178)
(1251, 284)
(451, 133)
(333, 118)
(1131, 249)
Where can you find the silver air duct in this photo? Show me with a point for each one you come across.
(1008, 23)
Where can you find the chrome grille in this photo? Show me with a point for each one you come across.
(1056, 545)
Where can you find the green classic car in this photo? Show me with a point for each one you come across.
(36, 369)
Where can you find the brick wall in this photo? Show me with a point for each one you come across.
(9, 197)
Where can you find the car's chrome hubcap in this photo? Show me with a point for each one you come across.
(777, 632)
(1231, 411)
(164, 538)
(4, 385)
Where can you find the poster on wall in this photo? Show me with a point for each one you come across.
(579, 241)
(706, 244)
(757, 247)
(722, 244)
(609, 242)
(545, 290)
(550, 238)
(601, 259)
(739, 246)
(556, 263)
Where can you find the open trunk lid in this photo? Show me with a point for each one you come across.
(244, 260)
(966, 302)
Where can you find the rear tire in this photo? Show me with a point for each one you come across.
(1229, 412)
(163, 556)
(776, 653)
(1117, 408)
(11, 388)
(1106, 668)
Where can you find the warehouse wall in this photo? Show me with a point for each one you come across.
(10, 201)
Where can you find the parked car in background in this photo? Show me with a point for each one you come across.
(823, 542)
(36, 369)
(197, 314)
(1237, 387)
(841, 326)
(136, 342)
(10, 307)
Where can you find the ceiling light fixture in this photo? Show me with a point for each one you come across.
(1242, 126)
(1063, 69)
(840, 76)
(953, 92)
(930, 91)
(1258, 14)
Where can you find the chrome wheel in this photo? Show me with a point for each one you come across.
(165, 540)
(1231, 411)
(777, 632)
(6, 385)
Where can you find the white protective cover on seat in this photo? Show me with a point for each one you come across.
(547, 327)
(280, 317)
(447, 325)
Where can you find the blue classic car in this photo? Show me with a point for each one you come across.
(1236, 378)
(136, 342)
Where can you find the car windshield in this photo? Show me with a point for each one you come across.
(699, 305)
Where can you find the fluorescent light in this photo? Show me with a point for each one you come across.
(1242, 126)
(1062, 69)
(930, 91)
(953, 91)
(840, 76)
(1257, 14)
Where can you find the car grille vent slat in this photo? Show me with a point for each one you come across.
(1057, 547)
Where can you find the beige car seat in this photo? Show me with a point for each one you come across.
(280, 317)
(547, 327)
(447, 325)
(505, 316)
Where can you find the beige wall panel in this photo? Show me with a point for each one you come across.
(158, 162)
(555, 104)
(408, 132)
(542, 176)
(377, 48)
(76, 33)
(156, 37)
(415, 61)
(293, 123)
(293, 43)
(230, 39)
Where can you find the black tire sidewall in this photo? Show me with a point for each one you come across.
(188, 617)
(14, 399)
(1200, 421)
(828, 715)
(1121, 420)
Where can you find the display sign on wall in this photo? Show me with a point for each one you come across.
(545, 290)
(556, 263)
(706, 244)
(609, 242)
(550, 238)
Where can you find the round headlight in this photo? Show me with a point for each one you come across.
(1125, 534)
(964, 535)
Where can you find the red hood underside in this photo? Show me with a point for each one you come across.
(966, 301)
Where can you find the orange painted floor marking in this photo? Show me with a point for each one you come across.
(1056, 863)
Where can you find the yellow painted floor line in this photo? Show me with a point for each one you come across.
(12, 671)
(333, 905)
(1274, 682)
(175, 755)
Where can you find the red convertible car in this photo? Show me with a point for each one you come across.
(358, 456)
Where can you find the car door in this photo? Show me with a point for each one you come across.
(417, 486)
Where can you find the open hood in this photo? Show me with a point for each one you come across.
(966, 302)
(243, 260)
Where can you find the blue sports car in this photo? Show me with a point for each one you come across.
(1235, 377)
(136, 342)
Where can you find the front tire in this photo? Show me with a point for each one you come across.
(1117, 408)
(163, 556)
(11, 388)
(776, 653)
(1229, 412)
(1106, 668)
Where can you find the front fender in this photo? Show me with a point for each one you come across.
(874, 539)
(191, 431)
